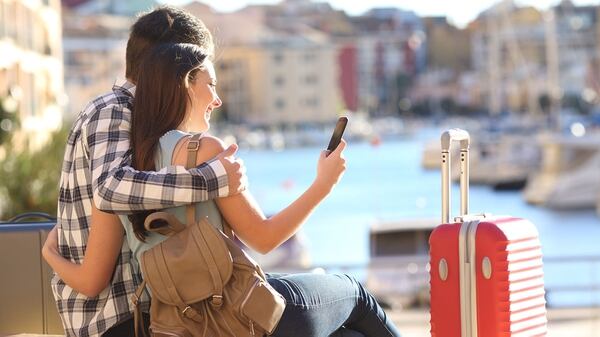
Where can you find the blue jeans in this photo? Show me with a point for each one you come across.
(322, 305)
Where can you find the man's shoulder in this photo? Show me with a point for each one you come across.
(116, 104)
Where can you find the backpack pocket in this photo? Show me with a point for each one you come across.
(263, 306)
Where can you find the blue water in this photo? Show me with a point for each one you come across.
(387, 183)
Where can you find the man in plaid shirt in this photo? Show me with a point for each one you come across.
(97, 168)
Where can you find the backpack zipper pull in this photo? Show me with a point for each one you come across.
(251, 328)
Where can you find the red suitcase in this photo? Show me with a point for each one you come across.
(485, 272)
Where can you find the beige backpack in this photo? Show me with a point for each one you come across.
(201, 282)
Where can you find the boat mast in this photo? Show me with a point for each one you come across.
(516, 56)
(494, 86)
(553, 89)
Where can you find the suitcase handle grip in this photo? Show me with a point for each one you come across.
(447, 138)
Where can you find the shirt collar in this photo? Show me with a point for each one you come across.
(122, 84)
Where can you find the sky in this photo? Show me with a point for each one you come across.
(459, 12)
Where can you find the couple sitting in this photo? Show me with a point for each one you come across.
(124, 156)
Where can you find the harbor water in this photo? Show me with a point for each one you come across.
(385, 182)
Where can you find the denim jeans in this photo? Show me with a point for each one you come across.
(322, 305)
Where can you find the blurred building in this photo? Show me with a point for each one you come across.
(129, 8)
(523, 55)
(391, 50)
(95, 34)
(273, 72)
(447, 79)
(577, 32)
(94, 55)
(31, 71)
(289, 81)
(509, 55)
(448, 47)
(348, 78)
(373, 56)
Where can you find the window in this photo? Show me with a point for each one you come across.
(311, 102)
(309, 57)
(278, 58)
(279, 81)
(279, 103)
(310, 79)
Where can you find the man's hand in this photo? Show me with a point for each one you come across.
(236, 171)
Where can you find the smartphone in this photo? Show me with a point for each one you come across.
(336, 137)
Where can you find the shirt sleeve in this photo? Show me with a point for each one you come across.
(119, 188)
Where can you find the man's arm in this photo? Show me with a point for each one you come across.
(119, 188)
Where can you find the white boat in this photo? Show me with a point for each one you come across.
(398, 270)
(504, 161)
(569, 176)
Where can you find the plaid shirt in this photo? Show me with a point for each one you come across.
(96, 167)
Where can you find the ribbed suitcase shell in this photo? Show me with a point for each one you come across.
(511, 302)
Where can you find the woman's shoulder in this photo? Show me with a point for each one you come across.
(210, 146)
(211, 143)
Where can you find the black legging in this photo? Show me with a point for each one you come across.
(126, 328)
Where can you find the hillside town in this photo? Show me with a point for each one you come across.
(301, 62)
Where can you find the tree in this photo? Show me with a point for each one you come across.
(29, 179)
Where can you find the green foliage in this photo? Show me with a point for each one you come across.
(29, 179)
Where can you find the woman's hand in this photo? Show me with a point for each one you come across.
(93, 273)
(331, 167)
(51, 244)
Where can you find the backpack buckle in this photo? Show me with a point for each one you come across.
(193, 145)
(216, 301)
(186, 309)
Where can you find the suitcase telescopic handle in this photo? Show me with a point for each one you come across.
(448, 137)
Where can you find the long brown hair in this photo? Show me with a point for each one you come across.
(160, 105)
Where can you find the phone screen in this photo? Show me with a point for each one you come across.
(336, 137)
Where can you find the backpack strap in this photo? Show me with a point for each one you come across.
(193, 146)
(217, 300)
(138, 319)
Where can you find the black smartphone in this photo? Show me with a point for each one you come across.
(336, 137)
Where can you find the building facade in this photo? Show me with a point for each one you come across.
(291, 83)
(31, 69)
(509, 56)
(94, 55)
(391, 52)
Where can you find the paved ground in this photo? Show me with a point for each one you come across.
(562, 323)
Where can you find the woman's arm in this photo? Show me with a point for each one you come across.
(245, 215)
(103, 248)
